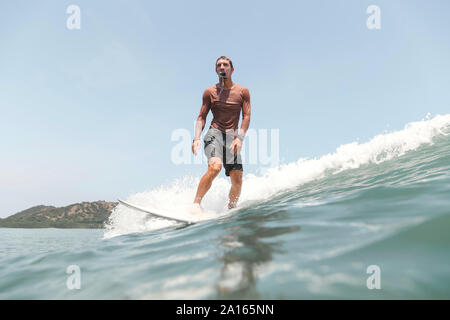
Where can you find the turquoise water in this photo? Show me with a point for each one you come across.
(383, 203)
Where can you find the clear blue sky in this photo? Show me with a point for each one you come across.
(88, 114)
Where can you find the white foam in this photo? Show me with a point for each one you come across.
(178, 196)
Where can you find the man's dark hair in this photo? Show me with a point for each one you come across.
(226, 58)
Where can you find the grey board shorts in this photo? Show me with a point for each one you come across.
(217, 144)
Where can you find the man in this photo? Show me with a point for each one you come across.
(223, 142)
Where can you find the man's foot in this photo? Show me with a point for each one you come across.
(196, 209)
(231, 205)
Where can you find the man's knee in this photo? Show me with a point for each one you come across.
(236, 177)
(215, 166)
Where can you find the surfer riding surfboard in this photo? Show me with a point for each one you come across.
(222, 142)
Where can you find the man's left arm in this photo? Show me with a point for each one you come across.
(236, 145)
(246, 111)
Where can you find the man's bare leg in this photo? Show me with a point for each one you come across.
(214, 167)
(235, 190)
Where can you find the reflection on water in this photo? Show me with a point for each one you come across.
(245, 247)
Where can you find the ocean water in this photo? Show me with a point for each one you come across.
(369, 214)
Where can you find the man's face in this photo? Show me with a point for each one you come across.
(223, 65)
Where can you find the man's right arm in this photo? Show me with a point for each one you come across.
(201, 119)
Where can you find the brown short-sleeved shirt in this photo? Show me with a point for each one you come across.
(226, 109)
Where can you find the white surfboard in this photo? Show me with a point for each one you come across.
(156, 214)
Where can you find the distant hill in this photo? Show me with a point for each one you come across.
(79, 215)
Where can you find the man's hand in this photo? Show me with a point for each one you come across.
(196, 145)
(236, 146)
